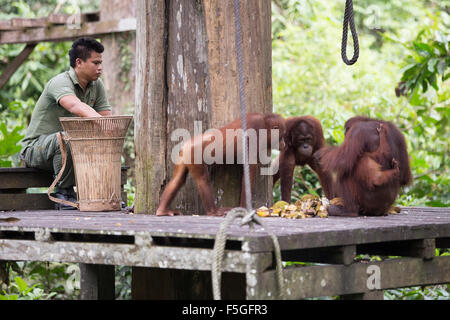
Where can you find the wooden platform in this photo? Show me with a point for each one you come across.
(61, 27)
(185, 243)
(14, 183)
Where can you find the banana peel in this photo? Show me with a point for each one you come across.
(309, 206)
(337, 202)
(394, 210)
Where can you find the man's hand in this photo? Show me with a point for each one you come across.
(105, 113)
(74, 105)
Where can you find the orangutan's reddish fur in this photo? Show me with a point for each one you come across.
(367, 170)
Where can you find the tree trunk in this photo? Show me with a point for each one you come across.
(151, 104)
(119, 57)
(187, 72)
(187, 78)
(224, 86)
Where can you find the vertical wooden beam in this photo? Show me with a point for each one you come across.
(223, 80)
(188, 106)
(119, 63)
(257, 57)
(150, 125)
(169, 284)
(186, 78)
(97, 282)
(188, 73)
(151, 103)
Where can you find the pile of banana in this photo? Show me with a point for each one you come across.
(308, 206)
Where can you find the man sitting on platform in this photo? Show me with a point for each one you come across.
(77, 92)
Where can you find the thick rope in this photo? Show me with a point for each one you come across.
(349, 18)
(248, 218)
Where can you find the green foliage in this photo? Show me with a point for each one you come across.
(123, 282)
(9, 144)
(12, 130)
(50, 280)
(423, 84)
(19, 95)
(440, 292)
(398, 43)
(42, 8)
(428, 60)
(19, 290)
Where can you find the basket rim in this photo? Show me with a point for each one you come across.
(94, 118)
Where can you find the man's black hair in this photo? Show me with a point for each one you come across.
(82, 48)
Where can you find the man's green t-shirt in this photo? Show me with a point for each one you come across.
(46, 114)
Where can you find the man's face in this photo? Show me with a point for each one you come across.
(91, 69)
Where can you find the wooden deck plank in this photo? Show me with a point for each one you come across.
(293, 234)
(316, 281)
(44, 22)
(23, 201)
(23, 177)
(143, 255)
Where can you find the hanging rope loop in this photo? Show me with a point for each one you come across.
(349, 19)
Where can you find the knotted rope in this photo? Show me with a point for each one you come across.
(249, 218)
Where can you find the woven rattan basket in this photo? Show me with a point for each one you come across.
(96, 146)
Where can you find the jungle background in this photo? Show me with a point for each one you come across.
(401, 76)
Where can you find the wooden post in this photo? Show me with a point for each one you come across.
(151, 104)
(187, 79)
(119, 63)
(97, 282)
(223, 80)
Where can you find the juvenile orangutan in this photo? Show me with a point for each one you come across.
(367, 170)
(223, 147)
(303, 137)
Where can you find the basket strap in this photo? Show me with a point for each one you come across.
(62, 147)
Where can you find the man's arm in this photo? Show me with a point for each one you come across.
(74, 105)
